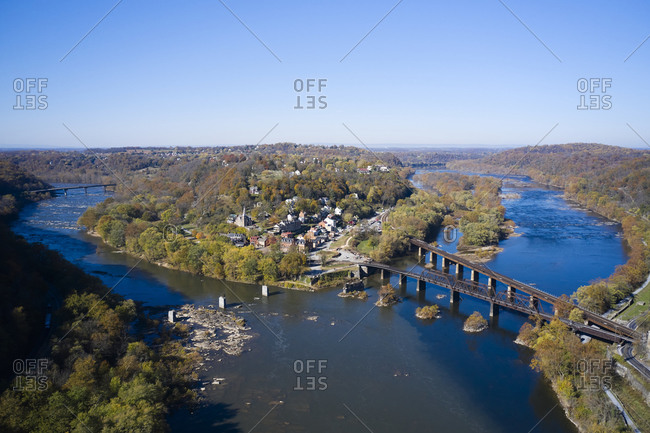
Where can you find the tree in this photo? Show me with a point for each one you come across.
(292, 264)
(104, 226)
(116, 234)
(269, 269)
(390, 244)
(89, 218)
(594, 297)
(564, 306)
(475, 322)
(151, 242)
(577, 315)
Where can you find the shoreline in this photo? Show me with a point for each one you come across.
(283, 284)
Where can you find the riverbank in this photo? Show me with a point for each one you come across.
(253, 379)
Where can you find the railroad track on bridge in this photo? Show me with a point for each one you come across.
(519, 297)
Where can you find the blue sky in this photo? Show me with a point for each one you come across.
(431, 73)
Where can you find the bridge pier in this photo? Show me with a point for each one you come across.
(402, 280)
(492, 286)
(533, 302)
(65, 191)
(433, 259)
(86, 190)
(454, 296)
(459, 271)
(494, 309)
(385, 274)
(420, 252)
(511, 293)
(474, 276)
(363, 271)
(445, 264)
(421, 286)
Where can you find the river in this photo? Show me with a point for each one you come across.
(380, 370)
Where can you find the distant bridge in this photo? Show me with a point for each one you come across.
(84, 187)
(518, 296)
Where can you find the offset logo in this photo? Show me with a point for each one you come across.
(31, 374)
(450, 234)
(310, 374)
(594, 374)
(593, 93)
(309, 92)
(29, 93)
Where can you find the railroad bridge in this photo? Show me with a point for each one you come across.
(516, 296)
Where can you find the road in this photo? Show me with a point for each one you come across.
(624, 414)
(626, 352)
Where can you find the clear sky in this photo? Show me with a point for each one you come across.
(431, 73)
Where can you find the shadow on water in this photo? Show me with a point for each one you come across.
(221, 420)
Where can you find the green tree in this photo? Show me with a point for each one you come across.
(292, 264)
(594, 297)
(151, 242)
(269, 269)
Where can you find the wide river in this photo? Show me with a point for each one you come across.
(373, 369)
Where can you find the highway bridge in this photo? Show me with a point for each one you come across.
(65, 189)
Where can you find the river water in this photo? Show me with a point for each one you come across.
(320, 363)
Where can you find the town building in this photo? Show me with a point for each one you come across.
(243, 220)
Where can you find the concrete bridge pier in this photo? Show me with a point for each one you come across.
(385, 274)
(421, 286)
(86, 190)
(445, 264)
(434, 259)
(511, 293)
(402, 281)
(494, 309)
(533, 303)
(364, 271)
(420, 252)
(454, 297)
(459, 271)
(474, 276)
(65, 192)
(492, 286)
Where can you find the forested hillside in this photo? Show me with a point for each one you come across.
(99, 165)
(605, 178)
(89, 373)
(13, 183)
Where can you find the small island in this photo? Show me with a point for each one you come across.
(475, 323)
(428, 312)
(387, 296)
(355, 294)
(354, 289)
